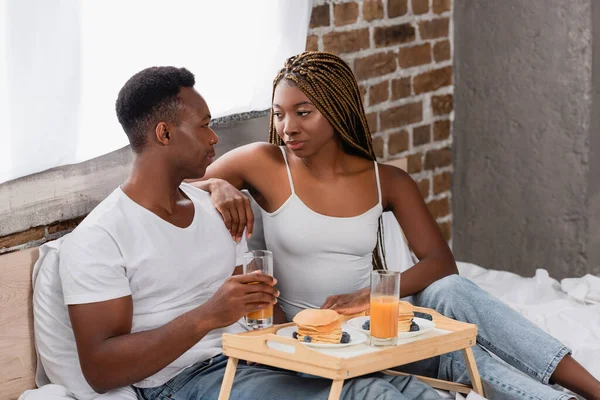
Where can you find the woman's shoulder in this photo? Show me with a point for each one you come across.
(395, 184)
(257, 151)
(392, 174)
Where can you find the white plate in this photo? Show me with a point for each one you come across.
(425, 325)
(356, 337)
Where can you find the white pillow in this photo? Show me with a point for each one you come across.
(58, 362)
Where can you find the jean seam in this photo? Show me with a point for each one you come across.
(564, 350)
(503, 355)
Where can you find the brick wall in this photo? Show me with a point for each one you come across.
(37, 235)
(401, 54)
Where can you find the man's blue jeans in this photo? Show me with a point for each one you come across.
(203, 381)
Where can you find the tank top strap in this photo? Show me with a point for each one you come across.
(289, 172)
(378, 183)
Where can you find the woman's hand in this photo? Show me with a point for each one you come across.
(348, 304)
(232, 204)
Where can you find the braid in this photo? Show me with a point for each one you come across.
(330, 85)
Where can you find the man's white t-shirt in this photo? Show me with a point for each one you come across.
(123, 249)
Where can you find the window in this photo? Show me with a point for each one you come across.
(63, 63)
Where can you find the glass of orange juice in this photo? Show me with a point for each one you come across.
(259, 260)
(385, 293)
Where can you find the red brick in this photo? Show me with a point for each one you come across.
(434, 29)
(393, 35)
(397, 117)
(415, 163)
(414, 55)
(345, 13)
(374, 65)
(442, 182)
(320, 16)
(346, 42)
(446, 230)
(420, 6)
(400, 88)
(372, 9)
(372, 122)
(438, 158)
(312, 43)
(397, 8)
(64, 225)
(398, 142)
(442, 104)
(439, 208)
(441, 6)
(421, 135)
(378, 147)
(379, 93)
(363, 92)
(423, 185)
(23, 237)
(441, 51)
(432, 80)
(441, 130)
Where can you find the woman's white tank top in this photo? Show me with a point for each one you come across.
(315, 255)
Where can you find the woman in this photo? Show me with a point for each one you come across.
(322, 194)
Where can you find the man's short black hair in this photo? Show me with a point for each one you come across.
(148, 97)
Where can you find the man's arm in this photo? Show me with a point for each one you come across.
(111, 356)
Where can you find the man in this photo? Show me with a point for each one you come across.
(147, 276)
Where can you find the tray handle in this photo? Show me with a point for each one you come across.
(258, 344)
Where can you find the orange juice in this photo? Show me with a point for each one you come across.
(384, 317)
(261, 314)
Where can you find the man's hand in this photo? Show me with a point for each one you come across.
(348, 304)
(232, 204)
(241, 295)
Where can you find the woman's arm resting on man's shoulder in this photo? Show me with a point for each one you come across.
(237, 167)
(401, 195)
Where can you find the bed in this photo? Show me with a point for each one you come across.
(568, 310)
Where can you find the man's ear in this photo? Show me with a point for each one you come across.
(162, 133)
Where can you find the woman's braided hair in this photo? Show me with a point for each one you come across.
(331, 86)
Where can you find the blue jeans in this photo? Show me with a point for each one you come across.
(203, 381)
(528, 354)
(530, 357)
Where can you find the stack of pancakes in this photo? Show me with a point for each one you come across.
(323, 326)
(405, 316)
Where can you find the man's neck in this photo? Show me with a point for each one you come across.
(153, 185)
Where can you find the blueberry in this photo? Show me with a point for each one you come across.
(367, 325)
(423, 315)
(295, 335)
(307, 339)
(414, 327)
(345, 337)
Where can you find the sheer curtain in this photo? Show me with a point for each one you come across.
(62, 64)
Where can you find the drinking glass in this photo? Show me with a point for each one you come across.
(259, 260)
(385, 294)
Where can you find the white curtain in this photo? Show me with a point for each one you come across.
(62, 64)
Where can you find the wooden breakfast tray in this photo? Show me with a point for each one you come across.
(449, 335)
